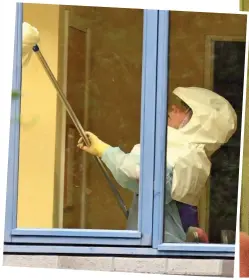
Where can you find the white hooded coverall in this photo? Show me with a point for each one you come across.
(189, 149)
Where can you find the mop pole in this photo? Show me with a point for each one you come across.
(79, 128)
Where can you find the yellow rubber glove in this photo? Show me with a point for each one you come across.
(97, 147)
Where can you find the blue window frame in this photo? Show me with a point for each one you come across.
(148, 239)
(160, 164)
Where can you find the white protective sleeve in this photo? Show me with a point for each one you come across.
(125, 168)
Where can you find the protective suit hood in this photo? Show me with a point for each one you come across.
(213, 122)
(189, 148)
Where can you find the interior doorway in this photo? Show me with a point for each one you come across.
(224, 74)
(102, 70)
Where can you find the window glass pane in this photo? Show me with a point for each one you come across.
(96, 55)
(206, 76)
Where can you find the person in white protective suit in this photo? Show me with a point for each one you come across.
(199, 122)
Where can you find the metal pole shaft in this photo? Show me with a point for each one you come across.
(80, 128)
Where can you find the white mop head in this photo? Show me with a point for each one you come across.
(30, 37)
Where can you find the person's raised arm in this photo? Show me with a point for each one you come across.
(125, 167)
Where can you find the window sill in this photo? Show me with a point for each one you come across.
(169, 250)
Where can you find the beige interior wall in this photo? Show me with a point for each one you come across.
(187, 43)
(114, 100)
(38, 124)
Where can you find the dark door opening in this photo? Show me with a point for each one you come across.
(228, 79)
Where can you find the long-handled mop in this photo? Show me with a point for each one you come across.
(30, 42)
